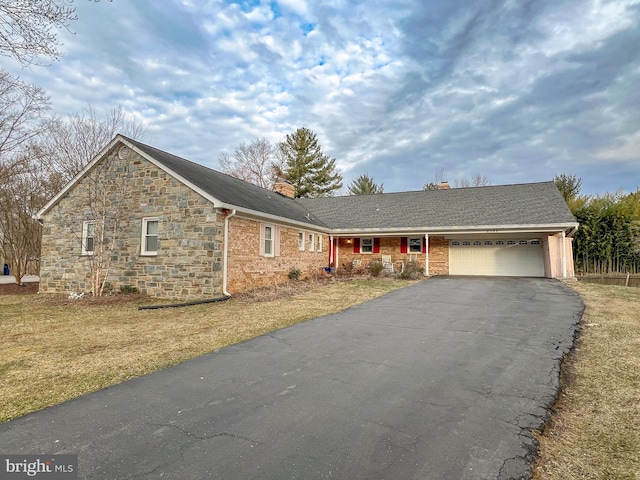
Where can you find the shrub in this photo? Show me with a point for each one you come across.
(375, 268)
(128, 289)
(411, 271)
(294, 273)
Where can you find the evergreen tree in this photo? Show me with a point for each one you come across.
(569, 186)
(306, 167)
(364, 185)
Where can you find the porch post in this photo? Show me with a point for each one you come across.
(330, 249)
(426, 255)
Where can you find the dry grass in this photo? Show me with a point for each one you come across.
(595, 430)
(52, 349)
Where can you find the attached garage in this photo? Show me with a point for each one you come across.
(503, 257)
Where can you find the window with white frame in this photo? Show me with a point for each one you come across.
(301, 241)
(366, 245)
(88, 237)
(319, 242)
(269, 240)
(149, 236)
(415, 244)
(311, 242)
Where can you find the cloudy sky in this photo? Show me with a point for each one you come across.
(515, 90)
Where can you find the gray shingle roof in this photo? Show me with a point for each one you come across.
(502, 205)
(231, 190)
(523, 204)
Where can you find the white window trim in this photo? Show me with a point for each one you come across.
(409, 244)
(85, 229)
(362, 240)
(301, 240)
(319, 242)
(312, 243)
(275, 240)
(143, 243)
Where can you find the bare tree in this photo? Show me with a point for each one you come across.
(23, 109)
(439, 177)
(104, 192)
(74, 141)
(107, 193)
(23, 194)
(256, 162)
(22, 112)
(28, 28)
(476, 180)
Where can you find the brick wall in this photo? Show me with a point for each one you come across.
(189, 260)
(438, 254)
(247, 269)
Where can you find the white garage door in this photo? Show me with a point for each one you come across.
(513, 258)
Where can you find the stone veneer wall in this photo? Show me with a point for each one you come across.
(188, 265)
(246, 269)
(438, 254)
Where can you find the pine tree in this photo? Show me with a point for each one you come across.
(364, 185)
(306, 167)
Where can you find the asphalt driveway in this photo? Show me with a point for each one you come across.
(440, 380)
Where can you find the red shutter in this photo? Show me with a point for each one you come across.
(356, 245)
(403, 245)
(376, 245)
(424, 245)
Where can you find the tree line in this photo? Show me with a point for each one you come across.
(608, 238)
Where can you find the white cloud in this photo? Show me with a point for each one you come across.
(397, 90)
(298, 6)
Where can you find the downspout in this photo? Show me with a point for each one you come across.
(225, 252)
(426, 259)
(564, 256)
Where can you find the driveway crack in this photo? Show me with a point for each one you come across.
(207, 437)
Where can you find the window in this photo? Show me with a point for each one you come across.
(499, 242)
(88, 237)
(311, 243)
(511, 242)
(466, 243)
(415, 244)
(149, 236)
(455, 242)
(488, 242)
(319, 242)
(522, 242)
(301, 241)
(535, 242)
(269, 240)
(477, 243)
(366, 245)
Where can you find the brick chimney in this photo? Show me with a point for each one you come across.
(285, 188)
(444, 185)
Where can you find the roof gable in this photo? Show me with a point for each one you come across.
(221, 189)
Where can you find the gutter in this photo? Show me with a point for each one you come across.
(453, 230)
(226, 252)
(573, 230)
